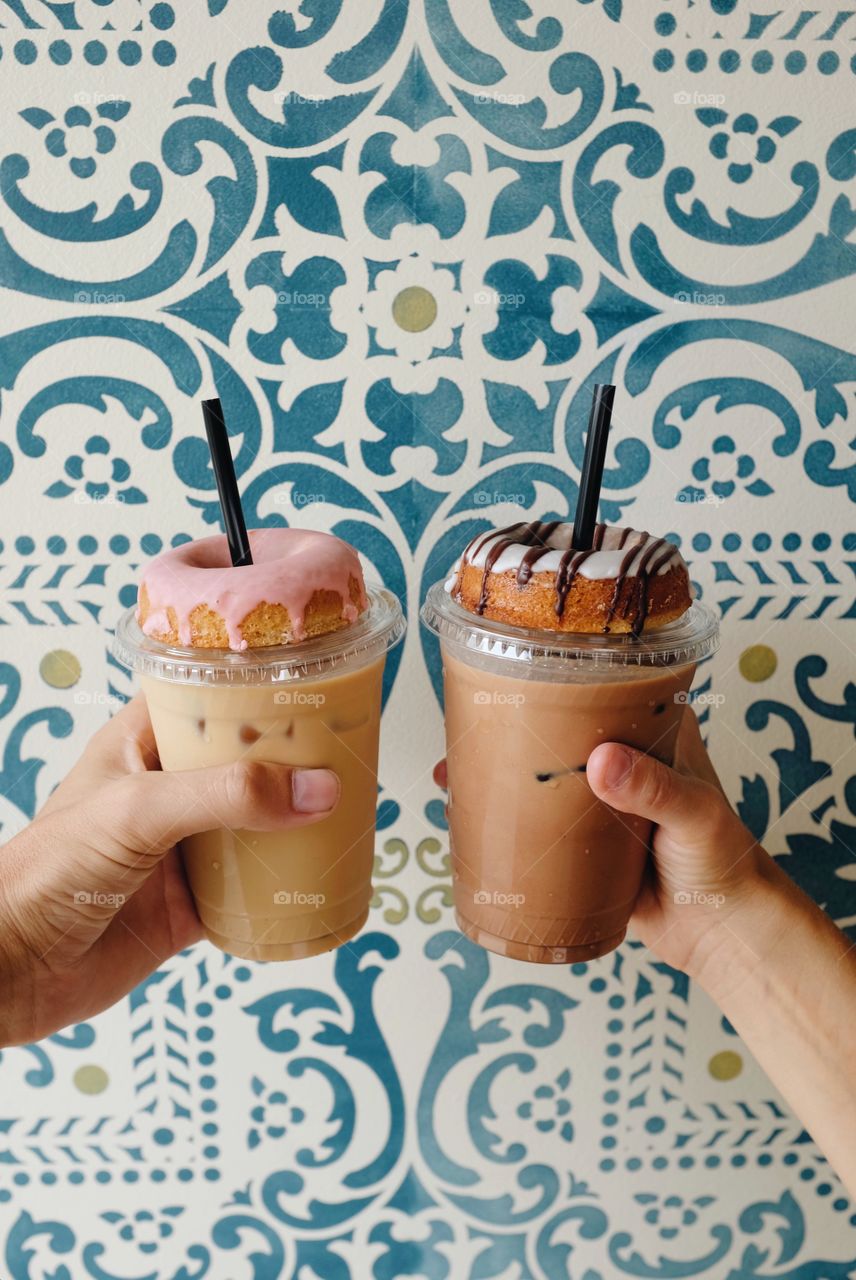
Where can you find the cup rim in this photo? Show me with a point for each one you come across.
(378, 629)
(689, 639)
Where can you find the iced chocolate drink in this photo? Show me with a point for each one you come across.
(547, 652)
(281, 660)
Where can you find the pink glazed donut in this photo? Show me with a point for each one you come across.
(301, 583)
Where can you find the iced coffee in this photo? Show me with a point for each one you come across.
(548, 651)
(282, 661)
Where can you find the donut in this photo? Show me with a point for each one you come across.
(529, 575)
(300, 584)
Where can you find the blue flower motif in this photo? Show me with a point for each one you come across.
(97, 476)
(273, 1115)
(670, 1213)
(720, 471)
(145, 1229)
(744, 131)
(80, 137)
(548, 1109)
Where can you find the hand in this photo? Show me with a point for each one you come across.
(707, 866)
(719, 907)
(92, 893)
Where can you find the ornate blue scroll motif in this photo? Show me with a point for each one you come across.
(820, 368)
(414, 193)
(96, 393)
(474, 1050)
(829, 257)
(524, 125)
(83, 224)
(813, 858)
(309, 120)
(19, 773)
(261, 250)
(43, 1071)
(233, 199)
(325, 1059)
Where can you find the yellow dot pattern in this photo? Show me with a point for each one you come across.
(414, 309)
(758, 662)
(91, 1079)
(725, 1065)
(60, 669)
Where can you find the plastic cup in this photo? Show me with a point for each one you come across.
(542, 869)
(287, 894)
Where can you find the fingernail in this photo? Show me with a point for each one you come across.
(314, 790)
(618, 768)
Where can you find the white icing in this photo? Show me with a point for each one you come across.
(453, 576)
(604, 563)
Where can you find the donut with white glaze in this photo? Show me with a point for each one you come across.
(530, 575)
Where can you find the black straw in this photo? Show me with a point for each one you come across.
(593, 460)
(227, 485)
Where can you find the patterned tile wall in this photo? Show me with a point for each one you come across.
(401, 240)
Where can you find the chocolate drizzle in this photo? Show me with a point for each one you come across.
(534, 535)
(538, 536)
(636, 599)
(568, 568)
(534, 554)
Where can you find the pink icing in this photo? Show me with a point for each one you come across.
(289, 566)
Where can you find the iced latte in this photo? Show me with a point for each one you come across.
(547, 652)
(280, 661)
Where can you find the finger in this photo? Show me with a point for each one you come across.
(690, 810)
(110, 844)
(691, 755)
(153, 925)
(125, 744)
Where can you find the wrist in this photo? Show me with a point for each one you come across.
(755, 921)
(16, 995)
(17, 972)
(767, 946)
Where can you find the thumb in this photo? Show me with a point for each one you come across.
(113, 841)
(690, 811)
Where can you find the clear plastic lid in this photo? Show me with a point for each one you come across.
(693, 636)
(378, 629)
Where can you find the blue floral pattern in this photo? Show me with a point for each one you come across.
(743, 139)
(96, 475)
(401, 240)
